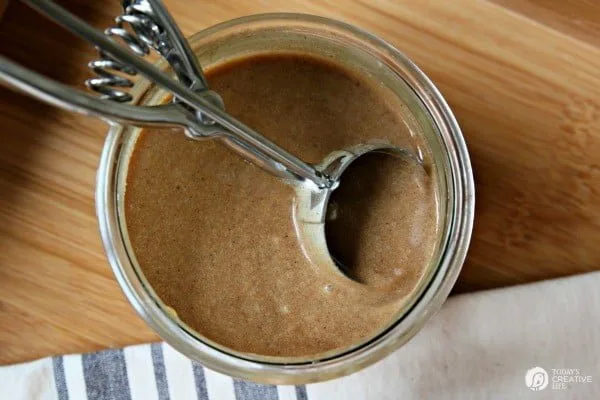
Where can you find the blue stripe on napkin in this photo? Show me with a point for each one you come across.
(105, 375)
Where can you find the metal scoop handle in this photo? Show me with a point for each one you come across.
(179, 54)
(71, 99)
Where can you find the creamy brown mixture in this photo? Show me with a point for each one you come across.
(214, 234)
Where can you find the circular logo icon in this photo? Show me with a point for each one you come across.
(536, 378)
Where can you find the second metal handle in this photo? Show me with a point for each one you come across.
(245, 140)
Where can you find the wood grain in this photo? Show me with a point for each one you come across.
(522, 78)
(579, 19)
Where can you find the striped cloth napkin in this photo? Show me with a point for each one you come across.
(533, 341)
(144, 372)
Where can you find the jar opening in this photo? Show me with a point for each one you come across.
(429, 115)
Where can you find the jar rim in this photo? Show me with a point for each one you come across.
(345, 362)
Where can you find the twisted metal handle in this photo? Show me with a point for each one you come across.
(151, 27)
(107, 81)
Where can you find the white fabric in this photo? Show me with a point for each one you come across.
(73, 375)
(179, 375)
(219, 386)
(28, 381)
(143, 373)
(286, 392)
(479, 346)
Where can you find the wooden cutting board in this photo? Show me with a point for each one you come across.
(522, 76)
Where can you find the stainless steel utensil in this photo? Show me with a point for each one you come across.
(212, 122)
(196, 108)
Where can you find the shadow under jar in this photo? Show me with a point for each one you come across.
(204, 244)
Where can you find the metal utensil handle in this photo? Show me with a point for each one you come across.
(173, 46)
(145, 25)
(180, 57)
(252, 139)
(70, 99)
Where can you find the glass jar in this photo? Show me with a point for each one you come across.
(426, 113)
